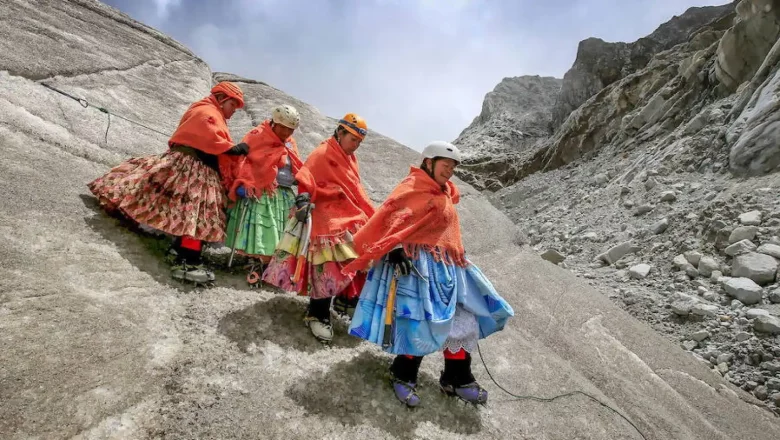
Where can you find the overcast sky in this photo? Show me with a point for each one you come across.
(416, 70)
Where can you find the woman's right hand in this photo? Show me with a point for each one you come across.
(302, 206)
(399, 260)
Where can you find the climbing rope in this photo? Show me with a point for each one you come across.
(551, 399)
(84, 103)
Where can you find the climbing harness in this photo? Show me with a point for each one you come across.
(551, 399)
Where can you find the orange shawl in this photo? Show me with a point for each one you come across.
(418, 214)
(203, 127)
(257, 172)
(332, 178)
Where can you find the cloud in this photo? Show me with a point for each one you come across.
(416, 70)
(164, 6)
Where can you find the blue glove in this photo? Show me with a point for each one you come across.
(241, 192)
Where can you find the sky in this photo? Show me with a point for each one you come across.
(415, 70)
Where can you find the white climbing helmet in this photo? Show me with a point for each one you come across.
(441, 149)
(286, 115)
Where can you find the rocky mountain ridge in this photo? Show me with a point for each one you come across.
(661, 189)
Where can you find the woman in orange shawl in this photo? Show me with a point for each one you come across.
(330, 191)
(437, 299)
(262, 184)
(179, 191)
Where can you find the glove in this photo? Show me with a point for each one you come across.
(302, 206)
(241, 192)
(402, 263)
(241, 149)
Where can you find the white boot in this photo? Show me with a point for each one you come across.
(323, 331)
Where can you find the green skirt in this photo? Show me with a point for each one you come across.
(263, 225)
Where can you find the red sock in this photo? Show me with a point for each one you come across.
(458, 355)
(191, 244)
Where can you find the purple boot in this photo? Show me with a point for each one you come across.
(404, 379)
(457, 380)
(471, 392)
(406, 392)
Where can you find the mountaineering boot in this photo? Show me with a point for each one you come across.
(318, 319)
(345, 307)
(404, 379)
(188, 264)
(457, 380)
(195, 273)
(321, 329)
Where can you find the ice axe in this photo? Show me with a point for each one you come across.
(388, 334)
(304, 249)
(237, 230)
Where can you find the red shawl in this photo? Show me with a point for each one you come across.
(332, 178)
(418, 214)
(204, 128)
(257, 173)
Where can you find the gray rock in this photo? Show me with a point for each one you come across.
(553, 256)
(706, 310)
(689, 345)
(743, 289)
(707, 265)
(700, 335)
(737, 304)
(767, 324)
(640, 271)
(770, 249)
(660, 226)
(592, 236)
(760, 268)
(752, 218)
(740, 247)
(716, 276)
(725, 358)
(774, 297)
(682, 307)
(742, 336)
(643, 209)
(761, 392)
(770, 366)
(668, 196)
(755, 313)
(711, 296)
(617, 252)
(743, 233)
(693, 257)
(680, 262)
(601, 179)
(650, 184)
(691, 271)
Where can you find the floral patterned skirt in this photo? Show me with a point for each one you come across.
(321, 277)
(172, 192)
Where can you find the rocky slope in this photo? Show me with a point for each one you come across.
(96, 341)
(515, 117)
(661, 189)
(599, 64)
(502, 150)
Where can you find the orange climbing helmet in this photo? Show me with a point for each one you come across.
(230, 90)
(354, 124)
